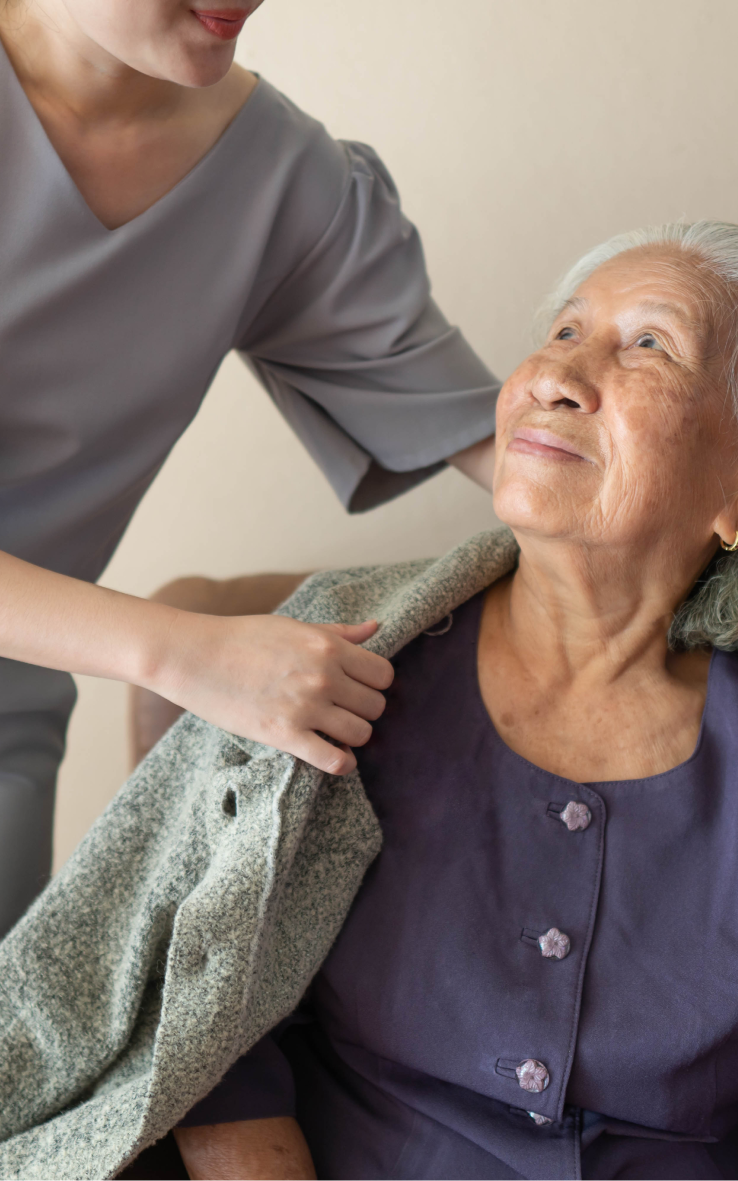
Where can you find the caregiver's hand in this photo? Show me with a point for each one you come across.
(149, 715)
(278, 681)
(264, 677)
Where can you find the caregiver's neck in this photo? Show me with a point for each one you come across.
(125, 135)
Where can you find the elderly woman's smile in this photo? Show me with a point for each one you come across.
(543, 443)
(615, 430)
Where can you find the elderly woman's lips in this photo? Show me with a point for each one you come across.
(545, 444)
(224, 23)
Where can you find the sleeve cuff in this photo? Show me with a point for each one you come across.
(363, 480)
(258, 1086)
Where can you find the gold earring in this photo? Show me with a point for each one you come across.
(730, 548)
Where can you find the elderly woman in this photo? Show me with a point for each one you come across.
(536, 977)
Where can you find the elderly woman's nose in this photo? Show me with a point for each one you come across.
(565, 385)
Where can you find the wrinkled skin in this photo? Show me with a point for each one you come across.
(250, 1150)
(617, 469)
(639, 392)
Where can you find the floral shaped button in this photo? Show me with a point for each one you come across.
(576, 816)
(532, 1075)
(554, 945)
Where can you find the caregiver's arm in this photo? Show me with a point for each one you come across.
(263, 1149)
(477, 462)
(150, 714)
(265, 677)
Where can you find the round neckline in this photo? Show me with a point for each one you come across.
(214, 149)
(574, 783)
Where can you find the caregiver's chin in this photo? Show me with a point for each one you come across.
(178, 41)
(617, 468)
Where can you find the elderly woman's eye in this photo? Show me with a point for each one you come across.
(648, 341)
(564, 334)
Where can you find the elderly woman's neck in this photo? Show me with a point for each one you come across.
(592, 608)
(576, 673)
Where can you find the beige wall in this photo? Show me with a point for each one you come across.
(520, 132)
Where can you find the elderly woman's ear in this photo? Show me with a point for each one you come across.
(726, 528)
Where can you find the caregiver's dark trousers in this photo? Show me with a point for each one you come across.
(35, 704)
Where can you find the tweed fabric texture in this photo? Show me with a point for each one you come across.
(196, 911)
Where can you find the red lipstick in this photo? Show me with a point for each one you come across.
(225, 23)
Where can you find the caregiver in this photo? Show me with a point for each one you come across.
(160, 206)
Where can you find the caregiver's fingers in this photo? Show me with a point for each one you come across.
(367, 667)
(333, 759)
(345, 727)
(327, 739)
(359, 699)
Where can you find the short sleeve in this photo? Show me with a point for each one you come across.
(258, 1086)
(379, 387)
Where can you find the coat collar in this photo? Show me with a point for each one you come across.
(443, 586)
(408, 597)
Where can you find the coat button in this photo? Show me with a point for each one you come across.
(576, 816)
(554, 945)
(539, 1120)
(532, 1075)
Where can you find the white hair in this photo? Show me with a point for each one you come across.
(709, 614)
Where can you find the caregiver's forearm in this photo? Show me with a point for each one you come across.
(253, 1150)
(61, 622)
(266, 677)
(477, 462)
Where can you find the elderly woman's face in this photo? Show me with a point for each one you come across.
(620, 431)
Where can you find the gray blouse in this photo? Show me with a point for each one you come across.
(281, 243)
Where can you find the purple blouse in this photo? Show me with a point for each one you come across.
(519, 930)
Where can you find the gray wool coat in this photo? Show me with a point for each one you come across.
(195, 912)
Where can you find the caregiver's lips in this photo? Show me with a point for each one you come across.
(225, 23)
(547, 445)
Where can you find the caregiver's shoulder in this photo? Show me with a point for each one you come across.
(301, 168)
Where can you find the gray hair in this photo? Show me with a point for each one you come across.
(709, 614)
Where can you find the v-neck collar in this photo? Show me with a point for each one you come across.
(246, 113)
